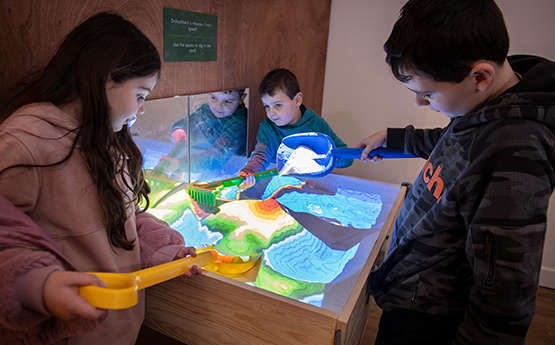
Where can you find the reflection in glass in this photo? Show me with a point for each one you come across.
(193, 138)
(217, 129)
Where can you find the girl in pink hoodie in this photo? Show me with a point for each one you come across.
(71, 181)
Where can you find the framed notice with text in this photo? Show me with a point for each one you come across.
(190, 36)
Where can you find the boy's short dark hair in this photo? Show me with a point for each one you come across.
(444, 38)
(240, 92)
(279, 79)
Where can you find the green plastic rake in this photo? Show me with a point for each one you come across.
(208, 193)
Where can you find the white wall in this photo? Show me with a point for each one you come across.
(362, 97)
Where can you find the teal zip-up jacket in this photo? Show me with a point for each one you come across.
(469, 238)
(270, 135)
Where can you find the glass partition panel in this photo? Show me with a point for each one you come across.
(217, 133)
(193, 138)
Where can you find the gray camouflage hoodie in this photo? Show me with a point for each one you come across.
(469, 238)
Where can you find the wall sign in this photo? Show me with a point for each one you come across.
(190, 36)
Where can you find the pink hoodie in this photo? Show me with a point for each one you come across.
(63, 202)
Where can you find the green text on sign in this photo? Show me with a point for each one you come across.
(190, 36)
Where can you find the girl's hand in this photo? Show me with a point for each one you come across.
(374, 141)
(61, 297)
(184, 252)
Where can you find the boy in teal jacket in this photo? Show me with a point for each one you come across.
(282, 98)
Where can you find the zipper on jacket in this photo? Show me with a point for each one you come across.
(413, 297)
(490, 257)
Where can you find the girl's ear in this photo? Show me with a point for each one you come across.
(484, 76)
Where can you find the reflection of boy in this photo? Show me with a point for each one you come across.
(282, 98)
(219, 127)
(466, 249)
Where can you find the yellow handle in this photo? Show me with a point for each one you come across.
(122, 290)
(157, 274)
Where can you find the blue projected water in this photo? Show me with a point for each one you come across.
(304, 257)
(344, 210)
(195, 233)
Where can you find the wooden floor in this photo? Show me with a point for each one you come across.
(541, 331)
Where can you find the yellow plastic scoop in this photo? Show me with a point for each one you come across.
(123, 288)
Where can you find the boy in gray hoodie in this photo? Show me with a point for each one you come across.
(466, 251)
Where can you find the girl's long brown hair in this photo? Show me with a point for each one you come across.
(104, 47)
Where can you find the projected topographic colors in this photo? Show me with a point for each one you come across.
(314, 238)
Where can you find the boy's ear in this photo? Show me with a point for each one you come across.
(298, 98)
(484, 75)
